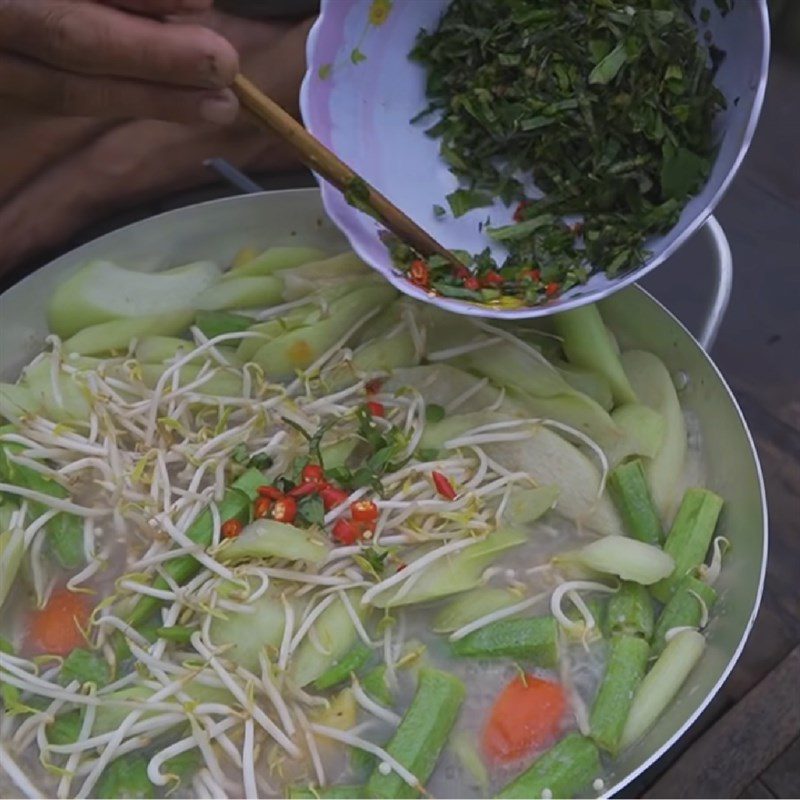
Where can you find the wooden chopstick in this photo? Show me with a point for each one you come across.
(317, 157)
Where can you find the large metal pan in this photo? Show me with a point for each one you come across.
(217, 229)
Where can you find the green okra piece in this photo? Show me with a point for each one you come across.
(422, 733)
(215, 323)
(689, 537)
(630, 611)
(64, 530)
(235, 503)
(627, 485)
(562, 771)
(341, 671)
(627, 662)
(326, 793)
(530, 639)
(684, 609)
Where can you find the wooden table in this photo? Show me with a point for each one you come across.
(746, 743)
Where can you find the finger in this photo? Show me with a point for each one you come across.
(99, 40)
(132, 163)
(29, 84)
(32, 142)
(158, 7)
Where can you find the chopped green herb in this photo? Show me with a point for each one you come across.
(261, 461)
(65, 728)
(341, 475)
(375, 560)
(240, 454)
(311, 509)
(463, 200)
(434, 413)
(608, 106)
(357, 194)
(85, 666)
(126, 778)
(427, 454)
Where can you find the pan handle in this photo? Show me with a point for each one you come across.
(723, 281)
(723, 263)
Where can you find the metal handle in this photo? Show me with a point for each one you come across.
(234, 176)
(723, 265)
(723, 269)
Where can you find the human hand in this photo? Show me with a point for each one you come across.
(102, 58)
(57, 175)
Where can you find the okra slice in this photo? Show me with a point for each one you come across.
(422, 734)
(532, 639)
(562, 771)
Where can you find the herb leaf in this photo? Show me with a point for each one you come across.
(463, 200)
(609, 107)
(85, 666)
(311, 509)
(607, 69)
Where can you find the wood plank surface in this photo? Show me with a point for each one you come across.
(782, 777)
(757, 790)
(734, 752)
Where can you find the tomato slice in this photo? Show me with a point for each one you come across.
(526, 716)
(57, 628)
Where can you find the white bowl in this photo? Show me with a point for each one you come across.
(360, 105)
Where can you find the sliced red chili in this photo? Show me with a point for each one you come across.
(332, 497)
(443, 485)
(492, 278)
(303, 490)
(552, 289)
(231, 528)
(373, 386)
(364, 511)
(419, 274)
(261, 507)
(533, 274)
(271, 492)
(312, 473)
(346, 532)
(461, 273)
(376, 409)
(284, 510)
(472, 283)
